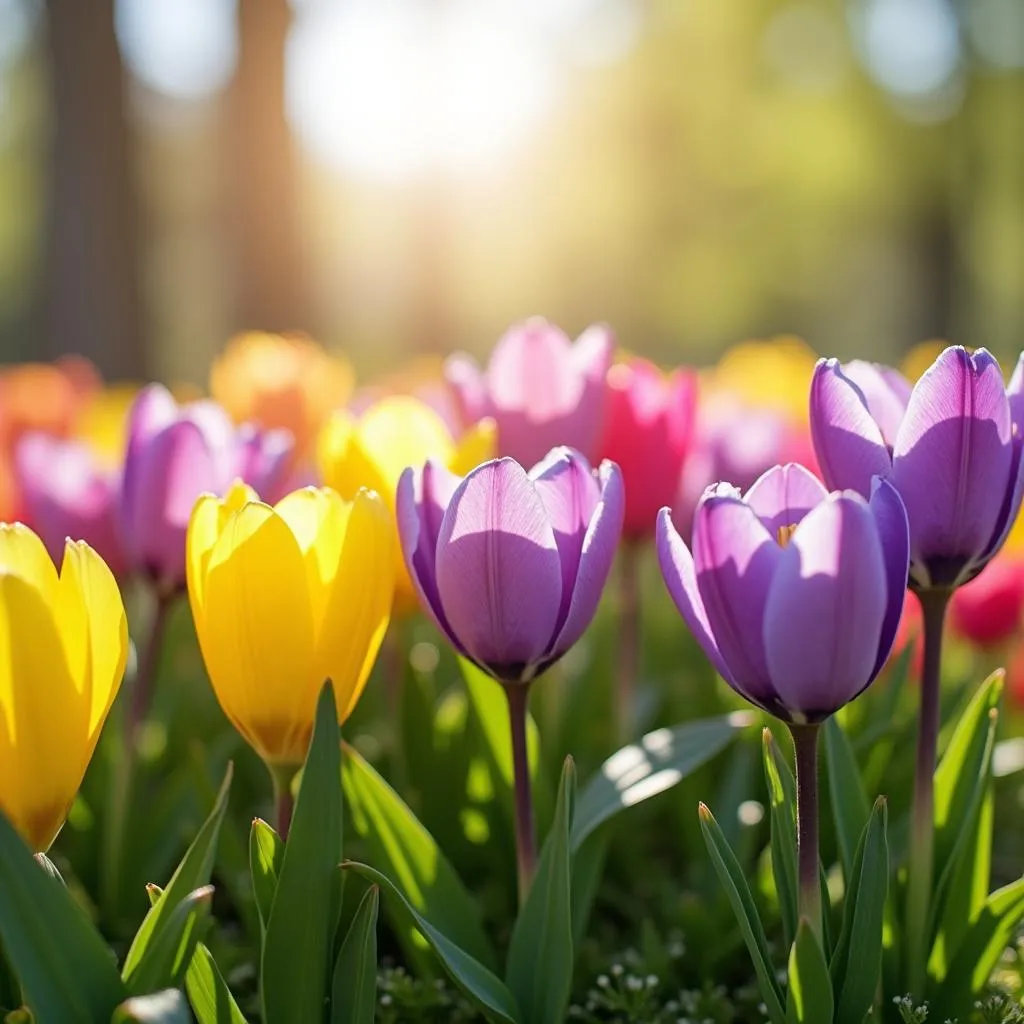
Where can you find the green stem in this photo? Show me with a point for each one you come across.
(805, 745)
(526, 844)
(922, 815)
(283, 776)
(629, 639)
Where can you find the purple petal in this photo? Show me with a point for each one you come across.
(264, 460)
(468, 389)
(153, 409)
(596, 557)
(953, 457)
(894, 534)
(825, 609)
(420, 502)
(178, 467)
(847, 441)
(784, 495)
(735, 558)
(570, 493)
(886, 394)
(499, 577)
(1015, 493)
(680, 577)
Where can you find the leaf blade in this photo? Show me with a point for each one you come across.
(354, 986)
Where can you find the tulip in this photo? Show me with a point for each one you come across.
(373, 449)
(795, 595)
(541, 389)
(283, 598)
(67, 493)
(510, 565)
(65, 651)
(175, 454)
(988, 611)
(952, 448)
(281, 382)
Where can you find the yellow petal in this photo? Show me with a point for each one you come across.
(360, 602)
(22, 554)
(95, 591)
(346, 464)
(258, 631)
(205, 525)
(477, 445)
(43, 720)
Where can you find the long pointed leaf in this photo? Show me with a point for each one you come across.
(540, 956)
(67, 974)
(850, 807)
(300, 933)
(192, 873)
(400, 846)
(479, 984)
(266, 851)
(809, 996)
(354, 989)
(782, 823)
(732, 877)
(167, 956)
(208, 993)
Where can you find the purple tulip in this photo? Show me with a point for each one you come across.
(951, 446)
(67, 493)
(510, 564)
(541, 389)
(794, 593)
(175, 454)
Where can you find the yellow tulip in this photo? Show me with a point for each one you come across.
(284, 598)
(63, 650)
(373, 449)
(773, 374)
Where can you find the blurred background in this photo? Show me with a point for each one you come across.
(398, 177)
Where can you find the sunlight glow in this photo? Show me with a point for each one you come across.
(384, 89)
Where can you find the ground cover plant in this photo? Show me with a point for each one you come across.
(562, 689)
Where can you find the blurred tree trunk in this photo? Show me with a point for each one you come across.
(263, 176)
(92, 298)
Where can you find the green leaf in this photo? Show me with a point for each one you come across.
(731, 874)
(266, 851)
(782, 820)
(167, 1007)
(857, 960)
(208, 993)
(67, 974)
(982, 946)
(850, 808)
(962, 845)
(399, 845)
(300, 932)
(650, 766)
(587, 869)
(354, 990)
(540, 956)
(166, 958)
(809, 998)
(193, 872)
(476, 981)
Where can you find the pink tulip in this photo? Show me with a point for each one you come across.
(648, 431)
(542, 390)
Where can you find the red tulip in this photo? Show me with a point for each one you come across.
(987, 611)
(648, 431)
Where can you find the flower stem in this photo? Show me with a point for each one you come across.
(148, 666)
(922, 815)
(282, 776)
(629, 638)
(805, 745)
(526, 846)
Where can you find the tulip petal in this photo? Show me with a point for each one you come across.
(22, 554)
(43, 717)
(886, 394)
(476, 446)
(153, 410)
(595, 562)
(359, 605)
(468, 386)
(422, 499)
(209, 517)
(953, 457)
(499, 577)
(825, 609)
(531, 371)
(893, 532)
(258, 630)
(680, 577)
(570, 493)
(847, 441)
(735, 558)
(783, 495)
